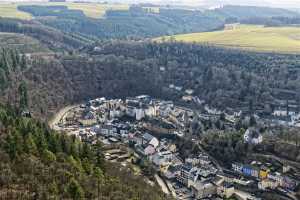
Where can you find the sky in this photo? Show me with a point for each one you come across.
(275, 3)
(207, 3)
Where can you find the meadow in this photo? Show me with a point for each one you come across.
(248, 37)
(93, 10)
(10, 10)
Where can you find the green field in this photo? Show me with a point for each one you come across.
(257, 38)
(10, 10)
(93, 10)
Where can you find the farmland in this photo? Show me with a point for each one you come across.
(93, 10)
(246, 37)
(10, 10)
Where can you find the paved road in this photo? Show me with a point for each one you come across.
(162, 184)
(53, 123)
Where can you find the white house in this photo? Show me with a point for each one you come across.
(252, 136)
(139, 114)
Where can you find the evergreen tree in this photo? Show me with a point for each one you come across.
(75, 190)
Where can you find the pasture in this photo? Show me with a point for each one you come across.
(248, 37)
(93, 10)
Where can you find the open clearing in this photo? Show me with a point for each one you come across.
(10, 10)
(93, 10)
(257, 38)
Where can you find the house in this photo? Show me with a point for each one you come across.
(226, 190)
(151, 111)
(130, 111)
(237, 167)
(188, 174)
(172, 172)
(189, 91)
(187, 98)
(162, 159)
(139, 114)
(253, 136)
(150, 140)
(203, 189)
(149, 150)
(268, 184)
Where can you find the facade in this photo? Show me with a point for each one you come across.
(203, 189)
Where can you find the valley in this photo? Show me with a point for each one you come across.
(148, 101)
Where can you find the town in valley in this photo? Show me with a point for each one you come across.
(146, 135)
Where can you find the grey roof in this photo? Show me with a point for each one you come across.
(148, 137)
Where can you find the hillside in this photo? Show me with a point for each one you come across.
(120, 69)
(257, 38)
(22, 43)
(243, 12)
(37, 163)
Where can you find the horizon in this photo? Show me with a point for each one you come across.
(291, 4)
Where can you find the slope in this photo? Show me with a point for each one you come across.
(257, 38)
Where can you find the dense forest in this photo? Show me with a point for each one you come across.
(37, 163)
(252, 82)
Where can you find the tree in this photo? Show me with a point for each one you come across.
(252, 121)
(75, 190)
(23, 96)
(48, 156)
(29, 144)
(100, 179)
(23, 62)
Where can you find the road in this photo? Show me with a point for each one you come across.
(162, 184)
(53, 123)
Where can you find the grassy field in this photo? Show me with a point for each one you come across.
(93, 10)
(10, 10)
(257, 38)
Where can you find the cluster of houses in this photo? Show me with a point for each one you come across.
(267, 179)
(142, 121)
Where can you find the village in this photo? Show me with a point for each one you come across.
(141, 132)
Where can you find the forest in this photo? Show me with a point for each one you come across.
(251, 82)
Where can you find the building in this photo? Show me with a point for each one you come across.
(162, 159)
(203, 189)
(226, 190)
(252, 136)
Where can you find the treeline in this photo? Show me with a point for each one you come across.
(273, 21)
(245, 12)
(134, 23)
(37, 163)
(11, 62)
(225, 78)
(252, 82)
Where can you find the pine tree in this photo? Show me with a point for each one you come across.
(75, 190)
